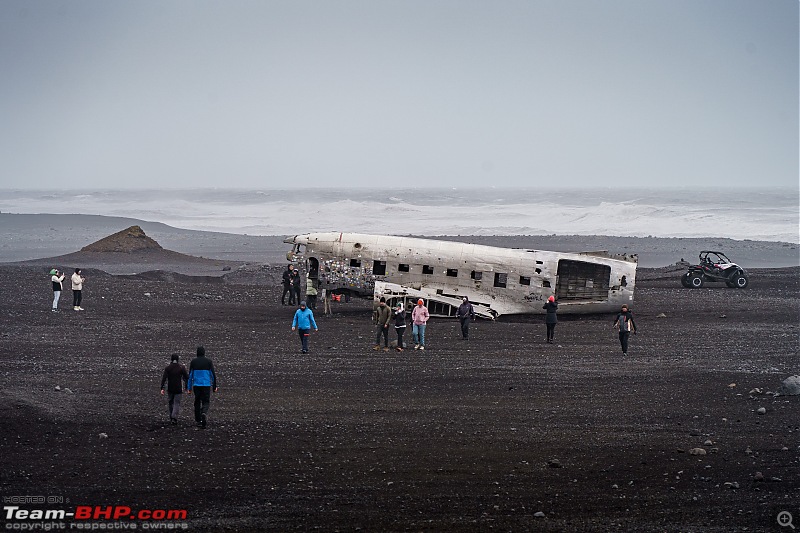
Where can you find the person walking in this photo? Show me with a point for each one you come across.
(625, 324)
(287, 285)
(400, 325)
(465, 314)
(381, 316)
(57, 280)
(302, 322)
(419, 319)
(550, 320)
(77, 289)
(311, 292)
(176, 378)
(295, 295)
(202, 379)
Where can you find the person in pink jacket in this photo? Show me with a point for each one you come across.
(419, 316)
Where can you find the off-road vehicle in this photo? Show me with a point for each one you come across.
(715, 266)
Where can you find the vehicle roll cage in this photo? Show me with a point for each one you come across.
(721, 256)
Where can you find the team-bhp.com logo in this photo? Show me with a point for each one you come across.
(94, 518)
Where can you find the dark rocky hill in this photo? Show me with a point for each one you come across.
(128, 240)
(131, 251)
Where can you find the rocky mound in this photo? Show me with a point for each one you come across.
(130, 251)
(128, 240)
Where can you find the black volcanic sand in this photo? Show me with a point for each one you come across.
(467, 436)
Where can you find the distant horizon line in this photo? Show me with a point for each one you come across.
(421, 187)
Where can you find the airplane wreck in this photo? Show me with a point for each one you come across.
(497, 281)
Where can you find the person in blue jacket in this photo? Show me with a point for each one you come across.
(302, 323)
(202, 379)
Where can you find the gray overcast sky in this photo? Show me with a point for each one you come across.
(266, 94)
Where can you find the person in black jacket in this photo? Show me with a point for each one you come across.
(400, 325)
(287, 286)
(551, 319)
(465, 314)
(625, 324)
(296, 286)
(175, 377)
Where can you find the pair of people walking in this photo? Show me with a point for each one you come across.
(291, 285)
(623, 322)
(200, 380)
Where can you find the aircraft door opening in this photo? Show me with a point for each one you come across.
(313, 267)
(579, 280)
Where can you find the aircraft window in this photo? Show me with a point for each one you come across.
(379, 268)
(539, 263)
(524, 280)
(402, 267)
(538, 271)
(452, 272)
(476, 275)
(500, 279)
(546, 283)
(427, 269)
(355, 262)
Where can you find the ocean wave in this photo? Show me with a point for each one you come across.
(770, 215)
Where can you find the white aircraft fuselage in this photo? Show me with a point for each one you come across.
(497, 281)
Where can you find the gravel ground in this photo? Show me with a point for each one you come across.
(503, 432)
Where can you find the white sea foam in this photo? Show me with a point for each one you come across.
(770, 215)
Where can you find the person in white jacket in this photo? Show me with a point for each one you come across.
(77, 289)
(57, 278)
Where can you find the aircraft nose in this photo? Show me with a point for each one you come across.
(296, 239)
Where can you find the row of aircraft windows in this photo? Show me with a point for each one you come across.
(500, 278)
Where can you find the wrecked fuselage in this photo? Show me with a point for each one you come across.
(497, 281)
